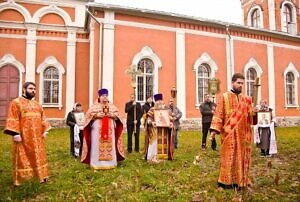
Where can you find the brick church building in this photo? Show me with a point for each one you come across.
(71, 48)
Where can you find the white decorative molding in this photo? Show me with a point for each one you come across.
(91, 61)
(261, 16)
(252, 63)
(294, 16)
(108, 54)
(271, 77)
(30, 52)
(291, 68)
(71, 64)
(271, 10)
(204, 58)
(14, 6)
(147, 52)
(198, 33)
(51, 61)
(10, 59)
(180, 72)
(229, 58)
(52, 9)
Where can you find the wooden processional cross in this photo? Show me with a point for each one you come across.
(256, 85)
(133, 72)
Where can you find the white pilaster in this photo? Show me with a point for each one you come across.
(229, 59)
(271, 6)
(108, 53)
(30, 54)
(271, 77)
(180, 72)
(91, 66)
(71, 54)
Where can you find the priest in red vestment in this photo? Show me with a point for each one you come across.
(102, 134)
(26, 122)
(232, 119)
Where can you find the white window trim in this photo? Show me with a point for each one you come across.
(50, 61)
(291, 68)
(10, 59)
(147, 52)
(204, 58)
(294, 20)
(261, 16)
(252, 63)
(10, 4)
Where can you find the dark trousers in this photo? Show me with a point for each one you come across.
(81, 141)
(205, 129)
(72, 152)
(130, 128)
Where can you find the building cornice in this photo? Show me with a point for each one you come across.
(180, 18)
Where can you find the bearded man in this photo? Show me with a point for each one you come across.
(102, 134)
(26, 123)
(232, 119)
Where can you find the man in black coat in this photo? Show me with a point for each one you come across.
(207, 109)
(134, 115)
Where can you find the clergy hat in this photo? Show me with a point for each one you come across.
(102, 91)
(158, 96)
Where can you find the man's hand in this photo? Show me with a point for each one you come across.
(255, 109)
(98, 115)
(133, 103)
(45, 134)
(17, 138)
(212, 135)
(111, 115)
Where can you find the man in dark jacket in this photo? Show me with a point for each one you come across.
(134, 115)
(207, 109)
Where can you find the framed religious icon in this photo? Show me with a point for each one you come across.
(263, 119)
(79, 117)
(161, 117)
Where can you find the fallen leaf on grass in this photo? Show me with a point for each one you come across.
(276, 179)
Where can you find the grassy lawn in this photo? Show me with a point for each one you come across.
(136, 180)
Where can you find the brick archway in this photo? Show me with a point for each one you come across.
(9, 88)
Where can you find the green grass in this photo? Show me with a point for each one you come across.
(136, 180)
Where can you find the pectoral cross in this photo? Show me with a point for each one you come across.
(133, 72)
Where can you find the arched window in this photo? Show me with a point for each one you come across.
(51, 80)
(255, 18)
(250, 79)
(145, 80)
(203, 74)
(51, 86)
(290, 88)
(287, 18)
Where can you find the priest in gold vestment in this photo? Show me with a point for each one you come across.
(102, 134)
(26, 122)
(232, 119)
(159, 132)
